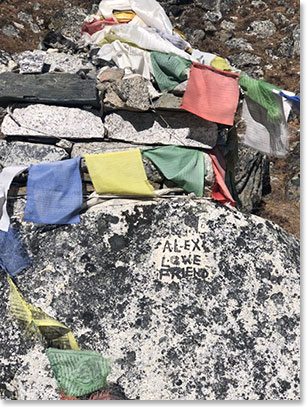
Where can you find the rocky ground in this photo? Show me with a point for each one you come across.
(260, 38)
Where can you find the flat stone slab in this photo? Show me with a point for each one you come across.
(37, 61)
(19, 153)
(99, 147)
(54, 88)
(184, 129)
(168, 101)
(190, 300)
(46, 121)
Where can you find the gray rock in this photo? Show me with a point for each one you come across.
(62, 62)
(31, 62)
(169, 128)
(258, 4)
(25, 17)
(19, 26)
(130, 94)
(208, 4)
(214, 16)
(228, 25)
(3, 68)
(285, 49)
(39, 61)
(223, 35)
(244, 59)
(53, 122)
(10, 31)
(208, 26)
(262, 29)
(251, 178)
(293, 188)
(279, 19)
(19, 153)
(180, 89)
(297, 43)
(198, 35)
(239, 43)
(4, 57)
(35, 28)
(68, 22)
(224, 328)
(36, 6)
(57, 41)
(168, 101)
(54, 88)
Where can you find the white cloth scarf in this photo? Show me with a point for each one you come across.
(131, 59)
(6, 178)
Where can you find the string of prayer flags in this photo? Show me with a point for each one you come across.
(262, 93)
(54, 193)
(184, 166)
(212, 94)
(37, 323)
(13, 256)
(78, 372)
(6, 177)
(119, 173)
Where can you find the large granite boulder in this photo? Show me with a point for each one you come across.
(189, 299)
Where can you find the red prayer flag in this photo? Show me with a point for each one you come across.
(212, 94)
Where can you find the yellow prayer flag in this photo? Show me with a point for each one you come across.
(220, 63)
(119, 173)
(37, 322)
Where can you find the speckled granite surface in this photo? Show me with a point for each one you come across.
(53, 122)
(166, 128)
(189, 300)
(19, 153)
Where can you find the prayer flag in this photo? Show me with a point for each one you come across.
(119, 173)
(54, 193)
(212, 94)
(184, 166)
(78, 372)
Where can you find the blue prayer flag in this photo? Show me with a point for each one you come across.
(13, 256)
(54, 193)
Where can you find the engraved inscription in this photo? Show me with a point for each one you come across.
(181, 258)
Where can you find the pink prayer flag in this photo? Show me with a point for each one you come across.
(212, 94)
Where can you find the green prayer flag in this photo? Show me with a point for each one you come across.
(261, 92)
(184, 166)
(169, 70)
(78, 372)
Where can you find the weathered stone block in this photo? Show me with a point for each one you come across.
(167, 128)
(53, 122)
(18, 153)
